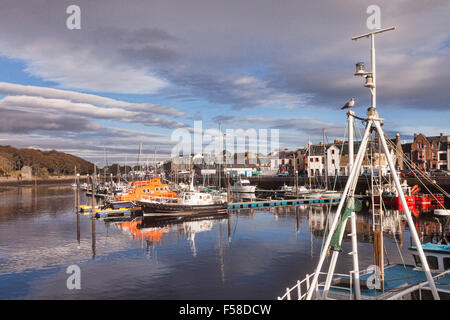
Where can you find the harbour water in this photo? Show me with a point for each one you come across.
(249, 254)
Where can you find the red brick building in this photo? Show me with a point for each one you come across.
(425, 152)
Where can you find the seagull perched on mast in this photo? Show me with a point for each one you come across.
(349, 104)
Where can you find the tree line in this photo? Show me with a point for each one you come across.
(43, 163)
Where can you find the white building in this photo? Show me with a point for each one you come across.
(316, 160)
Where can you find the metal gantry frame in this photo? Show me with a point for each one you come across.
(373, 123)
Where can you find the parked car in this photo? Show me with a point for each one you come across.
(284, 174)
(439, 172)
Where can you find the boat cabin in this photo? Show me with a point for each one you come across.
(197, 198)
(438, 256)
(147, 189)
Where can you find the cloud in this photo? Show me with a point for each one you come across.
(287, 55)
(120, 144)
(240, 92)
(149, 54)
(293, 57)
(18, 89)
(14, 121)
(305, 125)
(66, 106)
(86, 110)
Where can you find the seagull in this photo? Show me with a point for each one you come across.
(349, 104)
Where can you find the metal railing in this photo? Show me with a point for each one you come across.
(408, 290)
(300, 290)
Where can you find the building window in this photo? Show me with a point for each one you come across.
(332, 161)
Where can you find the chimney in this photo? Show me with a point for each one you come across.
(415, 136)
(442, 137)
(397, 138)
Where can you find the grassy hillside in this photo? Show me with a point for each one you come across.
(43, 163)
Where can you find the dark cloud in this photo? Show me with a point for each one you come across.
(13, 121)
(149, 54)
(223, 118)
(298, 52)
(143, 36)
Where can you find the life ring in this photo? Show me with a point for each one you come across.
(415, 189)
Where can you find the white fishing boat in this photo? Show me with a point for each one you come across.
(189, 202)
(84, 186)
(442, 212)
(290, 192)
(244, 186)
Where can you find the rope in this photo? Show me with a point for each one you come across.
(410, 166)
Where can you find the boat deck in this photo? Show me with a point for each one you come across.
(397, 278)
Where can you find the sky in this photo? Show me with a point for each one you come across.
(138, 71)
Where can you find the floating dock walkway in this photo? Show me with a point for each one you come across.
(127, 212)
(97, 195)
(280, 203)
(111, 213)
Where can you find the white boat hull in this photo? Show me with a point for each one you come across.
(245, 189)
(442, 212)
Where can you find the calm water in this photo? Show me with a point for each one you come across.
(251, 254)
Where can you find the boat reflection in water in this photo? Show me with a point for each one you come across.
(139, 232)
(153, 230)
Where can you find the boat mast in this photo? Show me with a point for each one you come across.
(221, 155)
(154, 164)
(104, 163)
(373, 122)
(309, 162)
(126, 163)
(296, 175)
(325, 160)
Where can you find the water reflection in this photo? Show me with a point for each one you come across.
(152, 230)
(93, 237)
(248, 254)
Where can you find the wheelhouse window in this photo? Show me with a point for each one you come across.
(433, 262)
(446, 263)
(417, 261)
